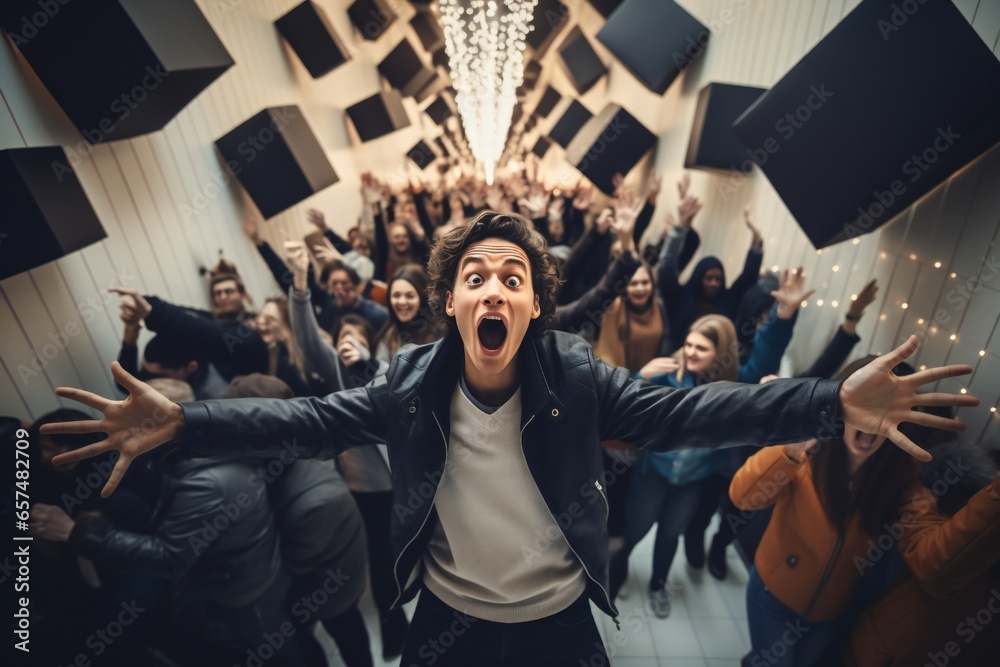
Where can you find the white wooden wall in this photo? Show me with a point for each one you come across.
(143, 190)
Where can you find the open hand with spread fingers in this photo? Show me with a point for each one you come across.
(142, 422)
(874, 400)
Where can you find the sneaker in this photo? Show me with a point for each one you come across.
(717, 559)
(659, 601)
(694, 549)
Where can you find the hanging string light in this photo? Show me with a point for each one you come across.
(484, 40)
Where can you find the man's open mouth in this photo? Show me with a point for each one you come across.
(492, 332)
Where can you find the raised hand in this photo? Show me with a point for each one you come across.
(251, 229)
(654, 187)
(627, 206)
(874, 400)
(556, 207)
(495, 198)
(689, 206)
(317, 219)
(683, 185)
(536, 202)
(659, 366)
(866, 297)
(791, 293)
(605, 220)
(134, 304)
(751, 222)
(142, 422)
(326, 252)
(584, 197)
(298, 261)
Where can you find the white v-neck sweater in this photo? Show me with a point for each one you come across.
(496, 553)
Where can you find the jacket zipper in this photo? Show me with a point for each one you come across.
(607, 505)
(395, 567)
(837, 547)
(586, 571)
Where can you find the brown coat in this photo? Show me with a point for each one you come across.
(800, 543)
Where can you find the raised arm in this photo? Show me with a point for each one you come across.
(872, 400)
(776, 333)
(845, 338)
(751, 266)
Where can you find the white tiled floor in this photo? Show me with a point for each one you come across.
(707, 626)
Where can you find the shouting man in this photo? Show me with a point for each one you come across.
(494, 439)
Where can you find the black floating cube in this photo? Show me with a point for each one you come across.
(572, 120)
(277, 158)
(440, 110)
(437, 85)
(530, 124)
(440, 58)
(605, 7)
(550, 98)
(310, 34)
(886, 107)
(582, 63)
(551, 16)
(714, 144)
(118, 68)
(654, 39)
(429, 30)
(541, 146)
(611, 142)
(422, 154)
(371, 17)
(44, 212)
(378, 115)
(404, 70)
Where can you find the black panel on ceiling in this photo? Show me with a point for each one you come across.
(309, 32)
(550, 98)
(118, 68)
(277, 158)
(429, 30)
(611, 142)
(440, 110)
(371, 17)
(532, 71)
(440, 58)
(713, 143)
(441, 145)
(605, 7)
(422, 154)
(404, 70)
(654, 39)
(44, 212)
(378, 115)
(572, 120)
(551, 16)
(542, 146)
(437, 84)
(581, 61)
(874, 117)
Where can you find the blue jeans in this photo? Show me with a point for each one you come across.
(778, 635)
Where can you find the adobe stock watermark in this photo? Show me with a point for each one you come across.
(119, 109)
(914, 167)
(781, 647)
(32, 23)
(59, 340)
(434, 649)
(102, 638)
(249, 149)
(898, 17)
(967, 629)
(786, 126)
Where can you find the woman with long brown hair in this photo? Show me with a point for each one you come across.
(833, 500)
(666, 488)
(410, 317)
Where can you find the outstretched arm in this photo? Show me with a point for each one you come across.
(872, 400)
(146, 419)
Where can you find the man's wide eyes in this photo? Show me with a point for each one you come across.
(476, 279)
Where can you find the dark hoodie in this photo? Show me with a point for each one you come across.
(687, 302)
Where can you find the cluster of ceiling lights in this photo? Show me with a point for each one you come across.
(485, 46)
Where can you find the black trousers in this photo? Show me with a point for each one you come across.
(444, 637)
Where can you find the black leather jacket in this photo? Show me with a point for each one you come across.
(215, 535)
(570, 403)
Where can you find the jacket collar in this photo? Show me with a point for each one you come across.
(446, 362)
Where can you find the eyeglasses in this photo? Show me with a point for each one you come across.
(225, 291)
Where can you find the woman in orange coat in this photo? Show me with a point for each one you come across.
(836, 513)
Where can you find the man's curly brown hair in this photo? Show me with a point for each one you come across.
(447, 251)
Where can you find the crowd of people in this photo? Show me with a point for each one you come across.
(231, 559)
